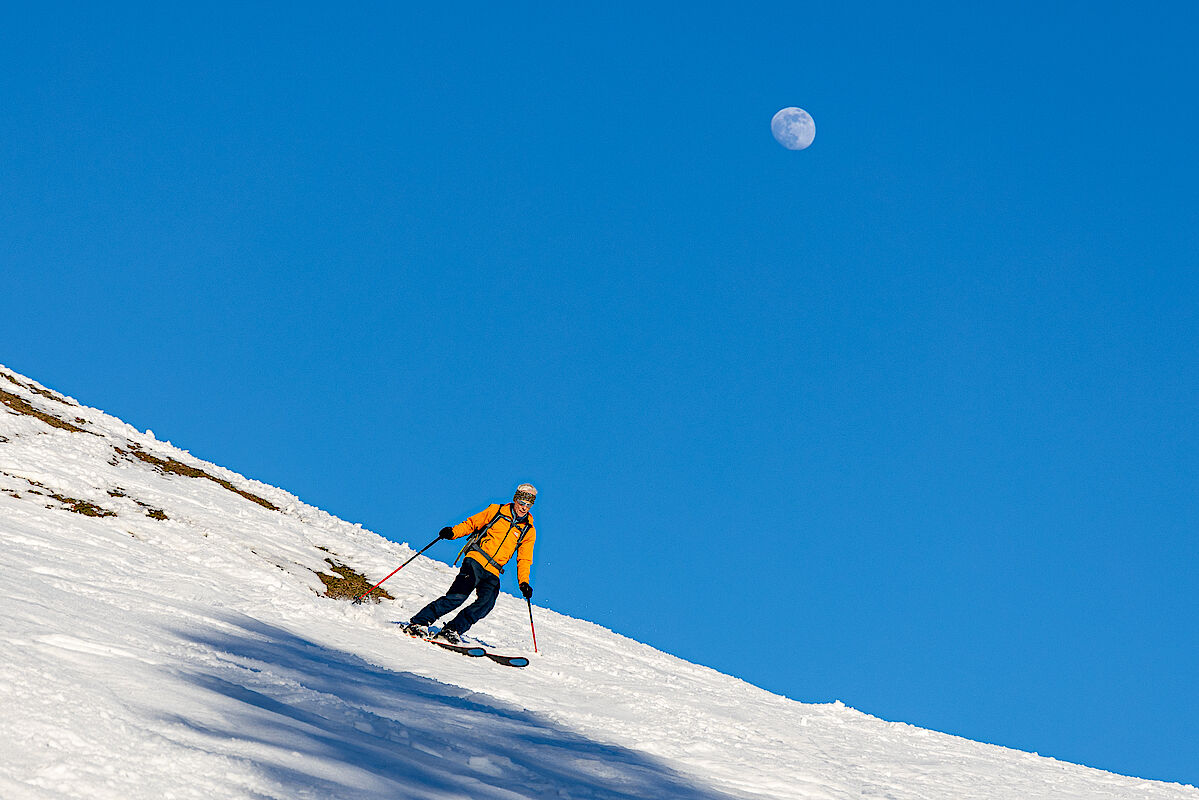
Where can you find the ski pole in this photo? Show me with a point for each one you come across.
(533, 629)
(397, 569)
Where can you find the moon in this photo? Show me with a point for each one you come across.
(794, 128)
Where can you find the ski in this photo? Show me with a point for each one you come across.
(508, 661)
(475, 651)
(466, 650)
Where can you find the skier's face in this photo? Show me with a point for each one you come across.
(522, 507)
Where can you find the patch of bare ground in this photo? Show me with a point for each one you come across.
(172, 467)
(348, 584)
(22, 406)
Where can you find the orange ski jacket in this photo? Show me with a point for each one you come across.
(503, 538)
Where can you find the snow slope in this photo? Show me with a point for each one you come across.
(196, 656)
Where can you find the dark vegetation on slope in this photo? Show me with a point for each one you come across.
(345, 584)
(83, 507)
(151, 512)
(21, 406)
(43, 392)
(173, 467)
(348, 584)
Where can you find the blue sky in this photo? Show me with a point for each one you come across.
(906, 419)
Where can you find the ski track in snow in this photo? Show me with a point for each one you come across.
(194, 657)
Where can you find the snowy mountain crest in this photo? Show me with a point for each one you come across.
(174, 629)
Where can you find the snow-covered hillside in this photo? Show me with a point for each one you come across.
(166, 635)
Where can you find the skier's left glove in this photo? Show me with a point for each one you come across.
(526, 590)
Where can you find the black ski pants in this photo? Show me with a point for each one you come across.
(472, 577)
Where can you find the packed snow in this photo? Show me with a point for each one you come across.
(166, 636)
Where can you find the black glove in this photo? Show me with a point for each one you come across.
(446, 533)
(526, 590)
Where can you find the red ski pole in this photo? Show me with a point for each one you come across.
(358, 599)
(533, 629)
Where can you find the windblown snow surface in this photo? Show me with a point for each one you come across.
(165, 635)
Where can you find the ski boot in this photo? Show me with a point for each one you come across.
(448, 635)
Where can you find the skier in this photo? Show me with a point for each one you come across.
(496, 533)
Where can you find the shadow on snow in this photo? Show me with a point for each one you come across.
(324, 723)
